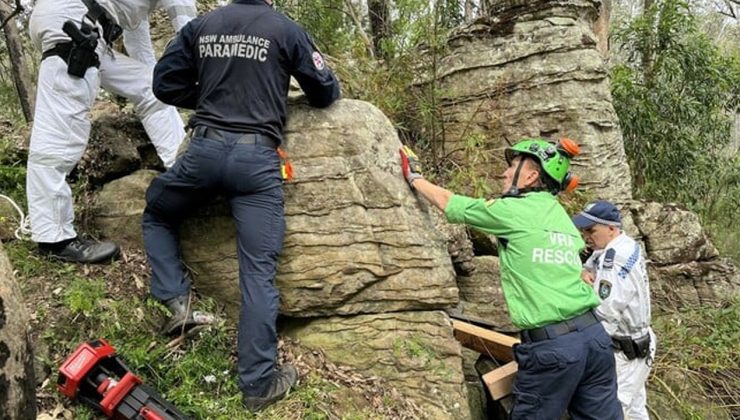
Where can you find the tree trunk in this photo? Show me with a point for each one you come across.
(647, 52)
(601, 28)
(469, 10)
(379, 24)
(17, 384)
(21, 77)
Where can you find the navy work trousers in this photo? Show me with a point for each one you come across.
(248, 175)
(574, 372)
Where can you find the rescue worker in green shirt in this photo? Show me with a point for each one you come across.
(565, 358)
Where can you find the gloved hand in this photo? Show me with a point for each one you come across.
(410, 165)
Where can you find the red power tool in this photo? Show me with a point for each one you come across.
(94, 375)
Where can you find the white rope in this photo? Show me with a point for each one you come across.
(23, 232)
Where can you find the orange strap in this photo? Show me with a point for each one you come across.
(286, 169)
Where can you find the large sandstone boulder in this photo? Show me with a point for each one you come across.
(459, 246)
(17, 384)
(481, 295)
(356, 238)
(9, 220)
(672, 235)
(119, 205)
(531, 69)
(413, 351)
(118, 146)
(714, 283)
(684, 266)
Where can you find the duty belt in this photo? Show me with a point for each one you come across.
(561, 328)
(63, 50)
(245, 138)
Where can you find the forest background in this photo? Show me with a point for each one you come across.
(675, 74)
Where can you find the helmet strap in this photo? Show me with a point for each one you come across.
(514, 189)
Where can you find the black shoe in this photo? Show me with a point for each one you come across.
(81, 251)
(282, 380)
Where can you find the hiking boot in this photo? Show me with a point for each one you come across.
(183, 318)
(282, 380)
(80, 251)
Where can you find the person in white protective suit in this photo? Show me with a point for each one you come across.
(61, 125)
(617, 272)
(138, 41)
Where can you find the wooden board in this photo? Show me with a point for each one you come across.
(485, 341)
(500, 380)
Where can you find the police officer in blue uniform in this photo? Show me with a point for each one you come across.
(233, 67)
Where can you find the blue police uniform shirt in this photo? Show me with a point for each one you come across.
(233, 67)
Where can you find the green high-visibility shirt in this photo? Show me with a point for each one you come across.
(538, 248)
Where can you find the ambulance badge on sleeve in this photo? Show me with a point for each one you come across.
(318, 61)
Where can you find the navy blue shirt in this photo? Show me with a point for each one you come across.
(233, 67)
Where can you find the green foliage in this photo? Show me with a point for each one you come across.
(83, 295)
(74, 303)
(696, 362)
(676, 96)
(10, 106)
(467, 179)
(383, 79)
(701, 337)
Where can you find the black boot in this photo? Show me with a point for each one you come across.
(80, 251)
(182, 316)
(282, 380)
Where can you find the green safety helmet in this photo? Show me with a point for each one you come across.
(553, 158)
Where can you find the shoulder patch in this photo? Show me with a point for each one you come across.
(605, 289)
(609, 255)
(318, 60)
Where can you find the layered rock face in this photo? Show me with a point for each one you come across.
(17, 384)
(358, 243)
(531, 69)
(685, 268)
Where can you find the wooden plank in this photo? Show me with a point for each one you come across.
(485, 341)
(499, 381)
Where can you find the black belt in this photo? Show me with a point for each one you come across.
(245, 138)
(561, 328)
(62, 50)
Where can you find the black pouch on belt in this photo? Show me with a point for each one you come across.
(642, 346)
(626, 345)
(82, 54)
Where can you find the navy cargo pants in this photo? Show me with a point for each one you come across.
(245, 168)
(574, 372)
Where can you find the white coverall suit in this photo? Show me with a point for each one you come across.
(621, 281)
(61, 125)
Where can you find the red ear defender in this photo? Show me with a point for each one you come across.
(570, 183)
(569, 147)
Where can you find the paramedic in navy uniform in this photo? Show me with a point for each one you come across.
(233, 67)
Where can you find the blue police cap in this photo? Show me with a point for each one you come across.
(601, 212)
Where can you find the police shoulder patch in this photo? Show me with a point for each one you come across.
(605, 289)
(609, 255)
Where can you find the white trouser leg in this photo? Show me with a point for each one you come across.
(631, 378)
(180, 12)
(58, 139)
(131, 79)
(138, 44)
